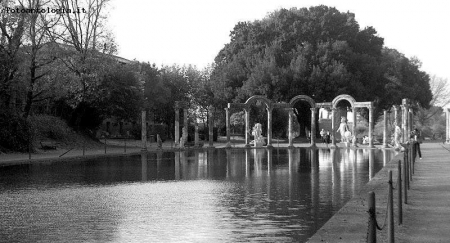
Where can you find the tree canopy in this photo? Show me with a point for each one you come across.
(319, 52)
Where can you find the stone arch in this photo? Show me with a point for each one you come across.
(252, 100)
(346, 97)
(306, 98)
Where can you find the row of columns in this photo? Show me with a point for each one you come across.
(185, 127)
(406, 124)
(371, 123)
(405, 120)
(269, 126)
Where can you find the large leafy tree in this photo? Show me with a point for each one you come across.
(319, 52)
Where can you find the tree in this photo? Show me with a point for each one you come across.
(440, 90)
(85, 48)
(38, 51)
(12, 28)
(319, 52)
(119, 94)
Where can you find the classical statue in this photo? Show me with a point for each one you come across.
(344, 131)
(257, 134)
(397, 135)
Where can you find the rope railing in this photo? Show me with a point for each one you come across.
(402, 186)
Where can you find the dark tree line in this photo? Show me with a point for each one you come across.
(65, 65)
(319, 52)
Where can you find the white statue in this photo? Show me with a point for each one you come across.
(397, 135)
(257, 134)
(344, 131)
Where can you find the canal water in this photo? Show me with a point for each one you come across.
(216, 195)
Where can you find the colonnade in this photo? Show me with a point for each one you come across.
(404, 120)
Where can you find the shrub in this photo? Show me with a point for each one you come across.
(58, 130)
(361, 130)
(15, 132)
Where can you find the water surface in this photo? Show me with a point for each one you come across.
(193, 196)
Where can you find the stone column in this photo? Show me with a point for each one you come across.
(447, 125)
(405, 120)
(185, 126)
(313, 127)
(144, 131)
(227, 122)
(211, 126)
(370, 126)
(290, 129)
(396, 120)
(333, 140)
(385, 130)
(411, 120)
(354, 127)
(247, 127)
(269, 127)
(177, 124)
(403, 124)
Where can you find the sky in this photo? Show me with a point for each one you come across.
(184, 32)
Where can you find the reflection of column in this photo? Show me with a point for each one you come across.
(196, 138)
(269, 161)
(257, 158)
(227, 122)
(291, 169)
(290, 130)
(177, 165)
(335, 176)
(189, 169)
(247, 163)
(371, 165)
(385, 157)
(144, 131)
(291, 160)
(370, 126)
(333, 140)
(354, 158)
(354, 127)
(385, 130)
(228, 152)
(333, 158)
(247, 127)
(269, 127)
(144, 166)
(211, 126)
(177, 124)
(313, 126)
(313, 157)
(158, 162)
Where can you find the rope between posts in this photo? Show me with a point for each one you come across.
(373, 216)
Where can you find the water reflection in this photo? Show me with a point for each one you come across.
(202, 196)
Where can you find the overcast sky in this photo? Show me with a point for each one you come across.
(193, 31)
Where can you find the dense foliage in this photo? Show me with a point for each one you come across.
(50, 68)
(319, 52)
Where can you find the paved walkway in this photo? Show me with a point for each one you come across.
(427, 216)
